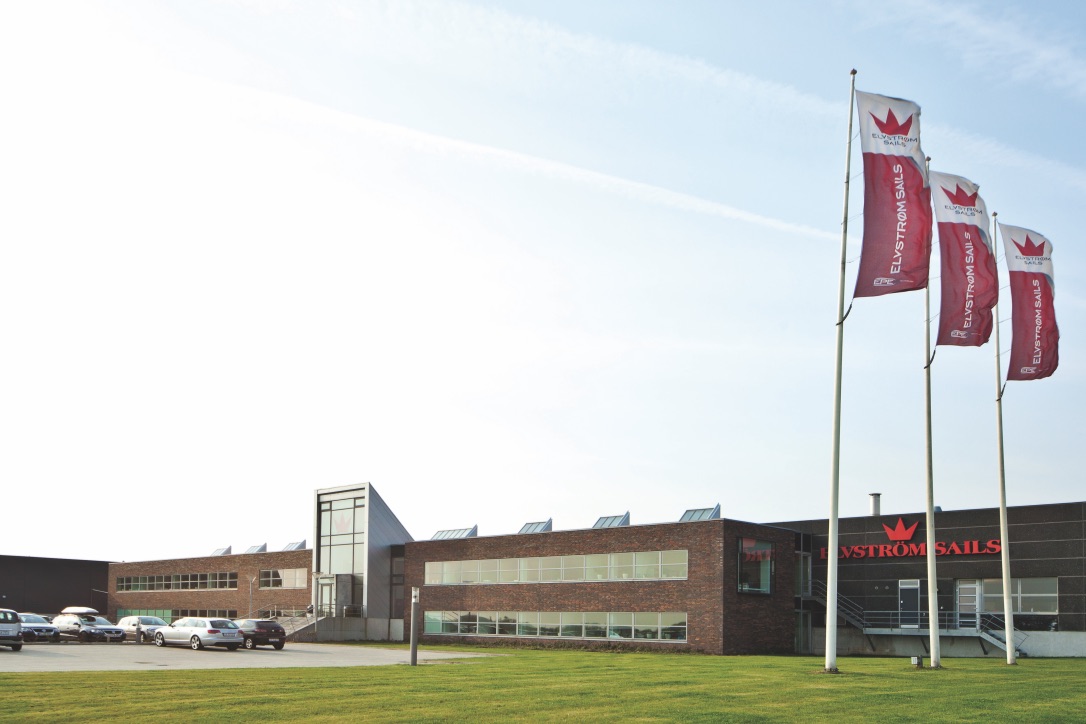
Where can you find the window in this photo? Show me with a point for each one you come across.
(178, 582)
(641, 565)
(1028, 595)
(284, 578)
(755, 566)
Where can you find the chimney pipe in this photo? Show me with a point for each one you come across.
(875, 505)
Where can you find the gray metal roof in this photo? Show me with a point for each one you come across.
(262, 548)
(222, 551)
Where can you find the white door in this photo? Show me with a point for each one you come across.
(968, 598)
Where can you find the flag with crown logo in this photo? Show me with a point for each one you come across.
(1035, 336)
(897, 200)
(969, 281)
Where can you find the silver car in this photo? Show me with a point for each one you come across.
(146, 625)
(197, 633)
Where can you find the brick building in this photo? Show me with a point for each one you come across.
(712, 585)
(227, 585)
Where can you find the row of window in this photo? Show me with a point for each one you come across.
(562, 624)
(285, 578)
(558, 569)
(178, 582)
(272, 578)
(172, 614)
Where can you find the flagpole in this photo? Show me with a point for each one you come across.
(1004, 533)
(835, 475)
(933, 587)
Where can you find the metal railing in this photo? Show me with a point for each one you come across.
(959, 623)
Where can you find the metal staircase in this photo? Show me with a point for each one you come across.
(984, 627)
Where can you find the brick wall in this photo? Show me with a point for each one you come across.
(719, 620)
(247, 566)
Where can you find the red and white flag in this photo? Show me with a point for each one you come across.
(897, 201)
(970, 283)
(1035, 340)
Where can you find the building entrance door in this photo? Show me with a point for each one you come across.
(908, 596)
(968, 598)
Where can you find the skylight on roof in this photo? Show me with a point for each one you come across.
(262, 548)
(613, 521)
(701, 514)
(456, 533)
(222, 551)
(296, 546)
(542, 527)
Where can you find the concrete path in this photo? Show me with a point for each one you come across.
(73, 656)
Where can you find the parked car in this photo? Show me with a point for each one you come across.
(80, 622)
(261, 632)
(200, 632)
(147, 625)
(37, 628)
(11, 630)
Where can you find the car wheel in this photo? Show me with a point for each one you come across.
(196, 643)
(250, 644)
(55, 639)
(146, 636)
(278, 647)
(160, 640)
(16, 647)
(232, 647)
(84, 637)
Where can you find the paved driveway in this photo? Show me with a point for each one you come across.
(74, 656)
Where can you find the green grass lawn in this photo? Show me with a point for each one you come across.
(521, 685)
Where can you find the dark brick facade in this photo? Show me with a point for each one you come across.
(246, 565)
(1046, 541)
(720, 620)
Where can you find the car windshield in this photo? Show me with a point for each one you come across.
(32, 618)
(152, 621)
(100, 621)
(88, 619)
(9, 616)
(224, 624)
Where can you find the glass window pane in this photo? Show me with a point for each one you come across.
(647, 564)
(487, 622)
(450, 622)
(549, 623)
(596, 567)
(755, 566)
(1038, 585)
(595, 624)
(621, 566)
(488, 571)
(1040, 604)
(450, 572)
(469, 571)
(509, 570)
(431, 622)
(573, 624)
(529, 570)
(572, 568)
(433, 572)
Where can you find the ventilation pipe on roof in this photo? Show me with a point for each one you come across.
(876, 506)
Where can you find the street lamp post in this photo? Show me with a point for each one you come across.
(252, 580)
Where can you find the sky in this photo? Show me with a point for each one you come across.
(504, 261)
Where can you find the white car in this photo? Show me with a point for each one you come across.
(11, 630)
(146, 625)
(197, 633)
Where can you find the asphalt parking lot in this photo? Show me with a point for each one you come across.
(74, 656)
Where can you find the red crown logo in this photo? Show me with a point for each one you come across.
(900, 532)
(890, 126)
(1030, 248)
(958, 197)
